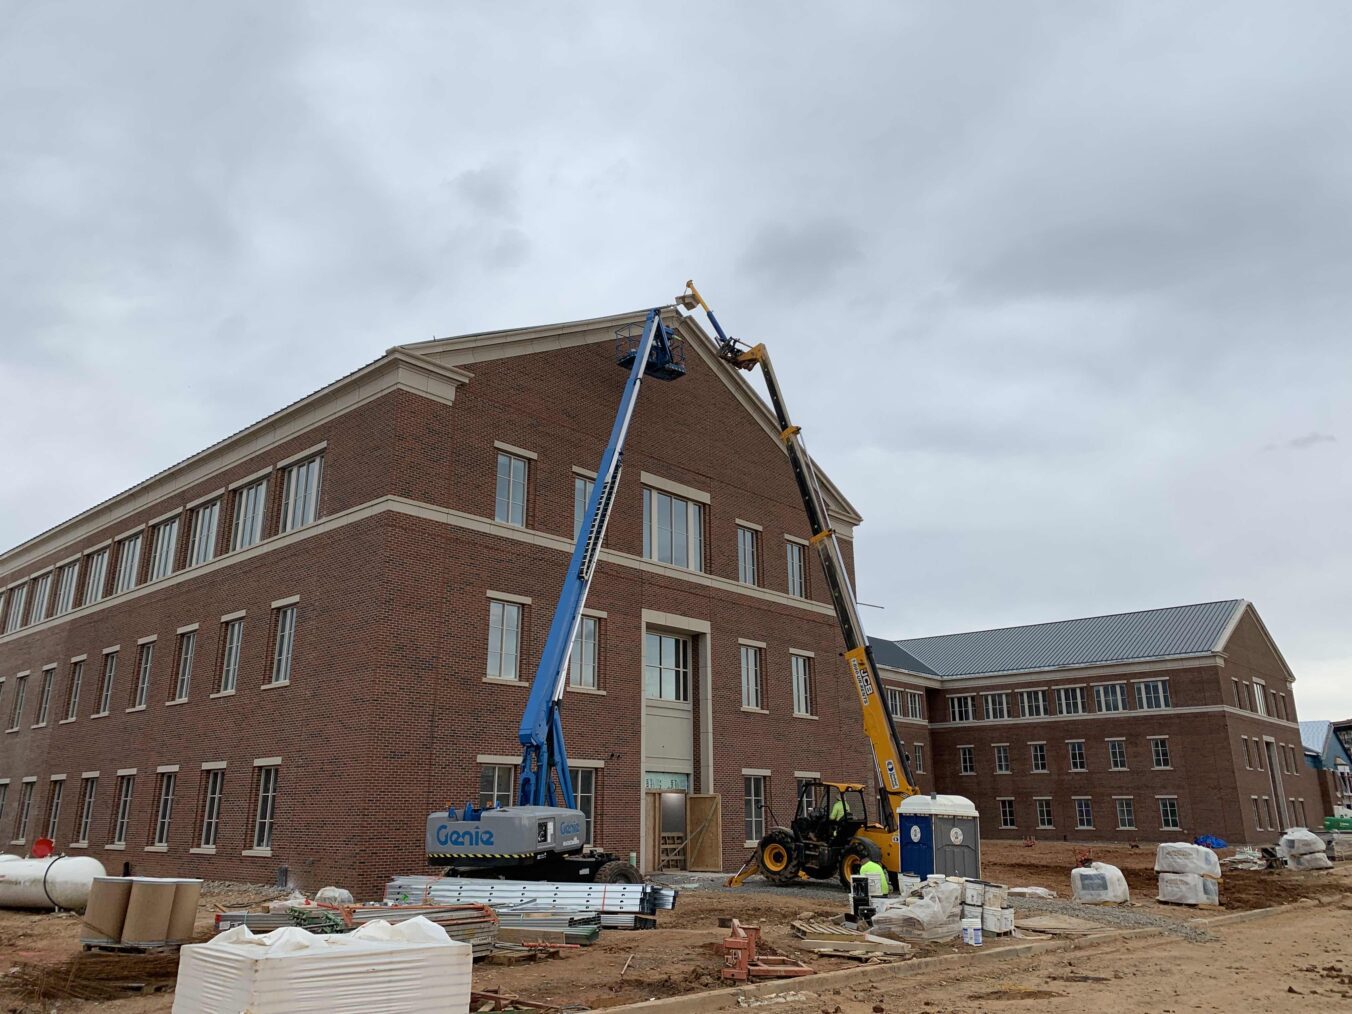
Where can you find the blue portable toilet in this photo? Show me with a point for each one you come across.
(940, 834)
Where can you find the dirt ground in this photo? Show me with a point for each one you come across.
(681, 956)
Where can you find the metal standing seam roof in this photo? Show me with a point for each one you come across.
(1314, 735)
(1151, 633)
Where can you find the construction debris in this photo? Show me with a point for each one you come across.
(476, 925)
(741, 963)
(607, 899)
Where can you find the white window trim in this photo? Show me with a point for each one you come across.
(520, 600)
(231, 617)
(674, 488)
(213, 765)
(273, 762)
(741, 523)
(290, 600)
(763, 772)
(309, 452)
(189, 629)
(249, 480)
(586, 473)
(151, 639)
(520, 452)
(193, 504)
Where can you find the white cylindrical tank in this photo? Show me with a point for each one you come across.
(57, 882)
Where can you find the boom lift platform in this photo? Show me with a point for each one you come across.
(542, 836)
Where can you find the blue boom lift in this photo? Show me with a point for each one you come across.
(542, 836)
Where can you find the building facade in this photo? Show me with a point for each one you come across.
(1326, 754)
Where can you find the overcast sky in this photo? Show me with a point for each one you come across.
(1060, 292)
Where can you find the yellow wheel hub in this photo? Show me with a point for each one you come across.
(775, 858)
(852, 864)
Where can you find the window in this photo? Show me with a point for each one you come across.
(1159, 752)
(54, 795)
(673, 530)
(497, 785)
(1006, 813)
(300, 496)
(1038, 752)
(996, 706)
(960, 708)
(504, 639)
(122, 811)
(106, 689)
(509, 503)
(1084, 814)
(41, 595)
(45, 696)
(25, 811)
(1002, 759)
(1244, 687)
(1152, 695)
(802, 685)
(806, 803)
(1267, 808)
(751, 677)
(284, 644)
(747, 553)
(250, 507)
(4, 795)
(16, 709)
(265, 814)
(128, 563)
(582, 491)
(164, 811)
(1257, 754)
(1033, 703)
(1117, 754)
(582, 658)
(1248, 760)
(65, 588)
(1075, 748)
(915, 704)
(1111, 697)
(1044, 813)
(202, 535)
(96, 576)
(1126, 813)
(753, 806)
(14, 615)
(1169, 820)
(232, 640)
(213, 782)
(967, 760)
(1238, 702)
(919, 757)
(73, 690)
(584, 795)
(1259, 691)
(1070, 700)
(666, 667)
(163, 549)
(895, 702)
(797, 569)
(143, 668)
(88, 790)
(1257, 813)
(187, 648)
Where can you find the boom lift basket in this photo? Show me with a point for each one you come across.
(663, 364)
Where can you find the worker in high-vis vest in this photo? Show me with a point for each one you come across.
(839, 811)
(878, 877)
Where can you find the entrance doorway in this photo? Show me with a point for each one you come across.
(667, 817)
(1275, 780)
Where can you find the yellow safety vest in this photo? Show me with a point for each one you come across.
(839, 809)
(879, 875)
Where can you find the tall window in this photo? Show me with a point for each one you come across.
(995, 706)
(1075, 748)
(213, 782)
(54, 794)
(803, 697)
(504, 640)
(497, 785)
(266, 812)
(96, 576)
(88, 789)
(1117, 754)
(164, 811)
(509, 505)
(18, 598)
(16, 709)
(106, 687)
(187, 649)
(1038, 756)
(65, 588)
(673, 530)
(232, 639)
(666, 667)
(797, 569)
(967, 760)
(747, 539)
(1070, 700)
(751, 677)
(144, 664)
(45, 696)
(4, 796)
(42, 587)
(1044, 813)
(915, 704)
(122, 811)
(582, 658)
(1033, 703)
(960, 708)
(1002, 759)
(163, 549)
(1084, 814)
(300, 494)
(202, 535)
(753, 806)
(128, 563)
(1007, 813)
(582, 491)
(283, 643)
(584, 795)
(1111, 697)
(1259, 690)
(896, 702)
(250, 508)
(1152, 695)
(25, 811)
(1126, 814)
(1159, 751)
(1169, 819)
(918, 758)
(73, 690)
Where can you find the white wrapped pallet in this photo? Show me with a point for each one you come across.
(1188, 889)
(403, 969)
(1298, 841)
(1099, 884)
(1184, 857)
(1309, 861)
(933, 915)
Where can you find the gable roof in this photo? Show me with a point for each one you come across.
(1170, 632)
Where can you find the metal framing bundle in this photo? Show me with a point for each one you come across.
(632, 899)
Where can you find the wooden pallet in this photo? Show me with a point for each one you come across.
(108, 947)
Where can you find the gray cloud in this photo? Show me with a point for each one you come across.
(1303, 443)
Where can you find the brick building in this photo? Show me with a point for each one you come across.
(284, 651)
